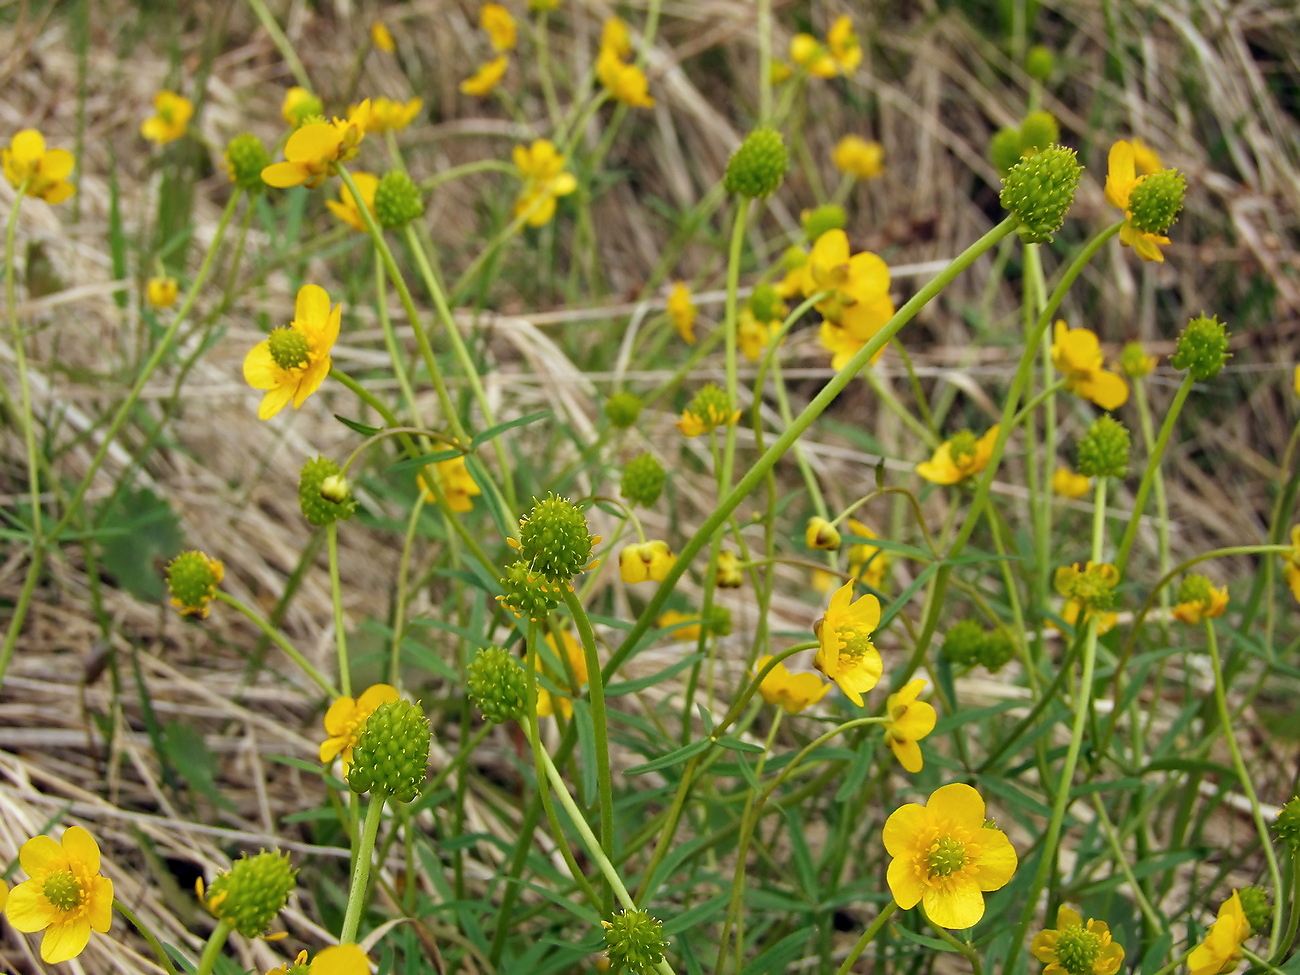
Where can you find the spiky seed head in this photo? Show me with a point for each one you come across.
(1103, 451)
(391, 756)
(817, 222)
(634, 940)
(528, 594)
(1255, 905)
(1004, 150)
(1038, 131)
(1156, 201)
(245, 159)
(757, 167)
(765, 304)
(1039, 63)
(252, 892)
(643, 480)
(397, 200)
(1134, 361)
(498, 684)
(192, 580)
(1202, 348)
(623, 409)
(317, 499)
(963, 643)
(554, 540)
(996, 650)
(1039, 190)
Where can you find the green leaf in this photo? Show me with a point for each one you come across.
(424, 460)
(142, 534)
(358, 426)
(736, 745)
(493, 432)
(779, 955)
(641, 683)
(675, 757)
(934, 944)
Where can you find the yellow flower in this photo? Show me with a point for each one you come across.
(1291, 564)
(1070, 610)
(500, 26)
(870, 563)
(1146, 159)
(458, 487)
(846, 654)
(1121, 177)
(576, 662)
(843, 45)
(945, 857)
(1221, 949)
(959, 458)
(794, 692)
(346, 959)
(172, 113)
(671, 617)
(381, 38)
(616, 38)
(1077, 354)
(1088, 590)
(4, 894)
(858, 157)
(162, 292)
(345, 719)
(312, 151)
(345, 207)
(299, 104)
(728, 574)
(295, 359)
(858, 305)
(1068, 484)
(1212, 603)
(45, 171)
(754, 336)
(910, 720)
(682, 311)
(386, 114)
(545, 179)
(1073, 949)
(65, 896)
(649, 561)
(625, 82)
(821, 534)
(708, 409)
(808, 53)
(487, 77)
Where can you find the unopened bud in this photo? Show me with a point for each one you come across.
(319, 496)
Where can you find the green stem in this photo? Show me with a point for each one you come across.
(26, 417)
(336, 594)
(273, 633)
(468, 169)
(868, 936)
(361, 870)
(393, 346)
(212, 950)
(596, 689)
(282, 45)
(399, 610)
(163, 958)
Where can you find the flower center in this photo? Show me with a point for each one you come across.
(1077, 949)
(856, 643)
(289, 347)
(946, 857)
(62, 890)
(962, 449)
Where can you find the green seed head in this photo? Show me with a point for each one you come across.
(817, 222)
(1287, 824)
(1202, 348)
(1103, 451)
(252, 892)
(1156, 200)
(289, 348)
(1039, 63)
(1134, 361)
(634, 940)
(946, 857)
(1255, 905)
(1038, 131)
(1195, 589)
(1004, 150)
(643, 480)
(391, 755)
(528, 594)
(962, 446)
(964, 643)
(1039, 190)
(246, 157)
(719, 622)
(192, 580)
(623, 409)
(397, 200)
(319, 485)
(1077, 949)
(996, 650)
(554, 540)
(766, 305)
(756, 169)
(62, 890)
(497, 684)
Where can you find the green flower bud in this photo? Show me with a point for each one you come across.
(1195, 589)
(1038, 131)
(318, 507)
(824, 218)
(623, 409)
(756, 169)
(766, 305)
(1103, 451)
(963, 643)
(391, 756)
(397, 200)
(245, 159)
(1156, 200)
(719, 622)
(643, 480)
(252, 892)
(1039, 63)
(1134, 361)
(192, 579)
(1004, 150)
(1039, 190)
(528, 594)
(335, 488)
(1255, 905)
(1093, 586)
(1202, 348)
(554, 540)
(497, 684)
(996, 650)
(707, 409)
(1287, 824)
(634, 940)
(793, 258)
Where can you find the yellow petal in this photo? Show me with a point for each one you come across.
(58, 192)
(312, 307)
(904, 883)
(284, 174)
(908, 754)
(28, 910)
(339, 715)
(1121, 175)
(346, 959)
(311, 380)
(274, 401)
(331, 748)
(100, 912)
(41, 855)
(1107, 389)
(57, 164)
(959, 804)
(997, 859)
(28, 146)
(959, 905)
(375, 695)
(260, 370)
(81, 848)
(313, 143)
(65, 940)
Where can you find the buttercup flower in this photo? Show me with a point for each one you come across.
(649, 561)
(346, 959)
(45, 171)
(1068, 484)
(312, 151)
(753, 336)
(487, 77)
(820, 533)
(295, 359)
(682, 311)
(458, 487)
(843, 45)
(299, 105)
(575, 663)
(1198, 600)
(808, 53)
(1121, 178)
(161, 292)
(1088, 590)
(858, 305)
(858, 157)
(625, 82)
(706, 410)
(1146, 159)
(1077, 354)
(672, 617)
(847, 655)
(1221, 950)
(945, 857)
(910, 720)
(345, 719)
(616, 38)
(870, 563)
(381, 38)
(545, 180)
(1072, 948)
(65, 896)
(959, 458)
(794, 692)
(172, 113)
(345, 207)
(386, 115)
(499, 25)
(728, 574)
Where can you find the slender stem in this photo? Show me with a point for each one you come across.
(542, 45)
(391, 343)
(868, 936)
(468, 169)
(1112, 837)
(399, 610)
(25, 415)
(596, 688)
(292, 652)
(212, 950)
(282, 44)
(163, 958)
(336, 594)
(966, 949)
(363, 854)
